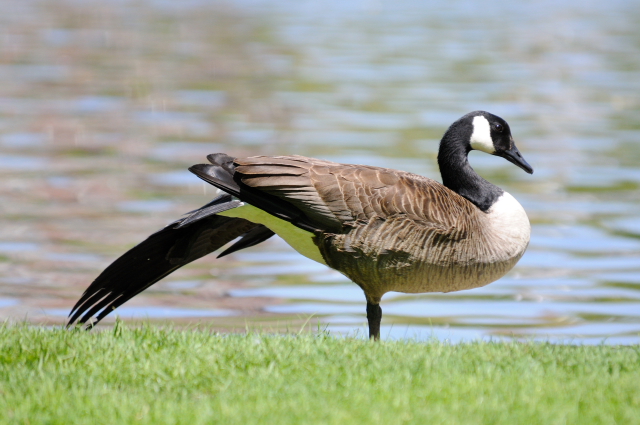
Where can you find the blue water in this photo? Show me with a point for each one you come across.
(94, 149)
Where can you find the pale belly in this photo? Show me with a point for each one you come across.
(300, 240)
(395, 255)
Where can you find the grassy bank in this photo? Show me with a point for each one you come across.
(164, 376)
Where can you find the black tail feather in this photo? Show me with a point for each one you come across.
(252, 237)
(222, 203)
(159, 255)
(217, 176)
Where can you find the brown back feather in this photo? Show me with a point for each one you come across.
(336, 196)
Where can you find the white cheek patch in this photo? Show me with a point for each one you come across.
(481, 136)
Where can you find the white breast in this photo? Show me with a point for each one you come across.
(508, 226)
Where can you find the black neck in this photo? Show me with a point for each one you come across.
(458, 175)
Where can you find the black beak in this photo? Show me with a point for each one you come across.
(514, 156)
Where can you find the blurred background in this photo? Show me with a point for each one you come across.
(104, 104)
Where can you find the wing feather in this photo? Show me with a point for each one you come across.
(334, 196)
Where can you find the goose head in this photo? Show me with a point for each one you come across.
(491, 134)
(481, 131)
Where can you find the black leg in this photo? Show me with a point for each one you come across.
(374, 315)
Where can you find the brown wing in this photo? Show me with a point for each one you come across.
(336, 196)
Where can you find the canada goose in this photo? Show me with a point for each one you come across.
(386, 230)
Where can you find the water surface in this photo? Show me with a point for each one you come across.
(104, 106)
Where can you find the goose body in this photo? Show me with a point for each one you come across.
(379, 238)
(386, 230)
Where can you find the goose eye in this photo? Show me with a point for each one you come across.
(499, 127)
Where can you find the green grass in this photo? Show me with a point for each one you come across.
(155, 375)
